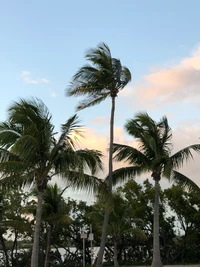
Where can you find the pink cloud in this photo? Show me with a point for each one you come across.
(93, 140)
(173, 84)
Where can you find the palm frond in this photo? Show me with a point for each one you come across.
(129, 154)
(84, 182)
(184, 181)
(100, 56)
(9, 133)
(91, 101)
(123, 174)
(71, 131)
(125, 76)
(91, 159)
(184, 155)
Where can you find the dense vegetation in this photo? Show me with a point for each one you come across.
(131, 225)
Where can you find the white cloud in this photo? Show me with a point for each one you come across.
(26, 77)
(44, 80)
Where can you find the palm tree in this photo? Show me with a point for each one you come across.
(120, 221)
(31, 154)
(55, 210)
(104, 78)
(152, 155)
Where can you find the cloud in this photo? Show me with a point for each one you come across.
(176, 83)
(26, 77)
(53, 93)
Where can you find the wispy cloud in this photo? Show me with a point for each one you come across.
(26, 77)
(53, 93)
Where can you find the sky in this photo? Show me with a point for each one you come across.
(43, 44)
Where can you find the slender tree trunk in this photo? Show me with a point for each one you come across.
(14, 247)
(35, 249)
(116, 264)
(4, 249)
(156, 239)
(48, 248)
(103, 238)
(109, 184)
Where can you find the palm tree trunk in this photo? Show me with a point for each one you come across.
(35, 249)
(116, 264)
(2, 241)
(156, 239)
(48, 248)
(14, 246)
(110, 169)
(109, 184)
(103, 238)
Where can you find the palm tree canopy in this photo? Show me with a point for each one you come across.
(153, 152)
(31, 151)
(55, 208)
(121, 219)
(103, 78)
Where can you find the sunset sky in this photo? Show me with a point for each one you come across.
(43, 44)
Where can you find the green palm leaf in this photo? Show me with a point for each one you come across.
(104, 78)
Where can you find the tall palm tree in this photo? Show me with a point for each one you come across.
(104, 78)
(154, 154)
(31, 153)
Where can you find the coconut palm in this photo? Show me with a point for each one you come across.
(153, 154)
(31, 154)
(103, 79)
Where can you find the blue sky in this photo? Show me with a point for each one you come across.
(43, 44)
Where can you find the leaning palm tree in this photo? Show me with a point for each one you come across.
(104, 78)
(153, 154)
(30, 153)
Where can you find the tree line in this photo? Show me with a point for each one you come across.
(32, 154)
(130, 228)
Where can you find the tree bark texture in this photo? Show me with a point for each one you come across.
(116, 264)
(48, 248)
(156, 239)
(35, 249)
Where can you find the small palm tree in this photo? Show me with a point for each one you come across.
(120, 222)
(31, 154)
(104, 78)
(153, 155)
(55, 210)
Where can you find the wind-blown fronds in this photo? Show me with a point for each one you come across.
(31, 154)
(184, 155)
(122, 174)
(184, 182)
(155, 148)
(103, 78)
